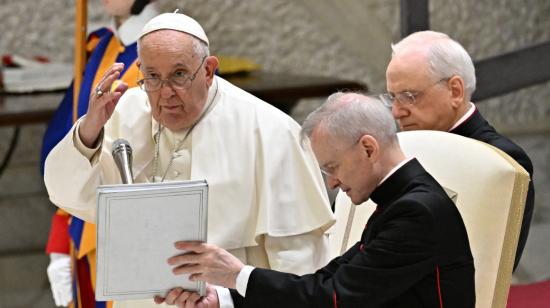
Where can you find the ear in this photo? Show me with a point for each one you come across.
(210, 66)
(456, 86)
(140, 74)
(370, 147)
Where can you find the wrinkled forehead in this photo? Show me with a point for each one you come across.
(167, 44)
(167, 38)
(414, 61)
(407, 72)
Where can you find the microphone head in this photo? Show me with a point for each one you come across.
(119, 145)
(122, 154)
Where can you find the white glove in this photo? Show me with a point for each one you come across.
(59, 274)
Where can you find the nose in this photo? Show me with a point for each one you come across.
(398, 111)
(333, 182)
(166, 90)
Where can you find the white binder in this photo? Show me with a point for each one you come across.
(137, 226)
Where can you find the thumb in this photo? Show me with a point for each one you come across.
(120, 87)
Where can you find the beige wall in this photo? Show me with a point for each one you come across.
(345, 38)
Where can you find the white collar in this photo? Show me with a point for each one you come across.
(129, 31)
(394, 169)
(465, 117)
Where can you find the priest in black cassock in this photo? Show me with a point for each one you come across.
(414, 251)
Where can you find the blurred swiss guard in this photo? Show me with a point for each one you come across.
(72, 242)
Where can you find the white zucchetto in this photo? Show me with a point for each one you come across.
(177, 22)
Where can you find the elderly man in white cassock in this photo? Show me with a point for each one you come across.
(267, 201)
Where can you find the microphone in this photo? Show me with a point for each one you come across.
(122, 154)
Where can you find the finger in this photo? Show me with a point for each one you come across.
(194, 297)
(108, 98)
(104, 106)
(180, 300)
(192, 300)
(116, 67)
(121, 87)
(158, 299)
(188, 269)
(173, 295)
(106, 84)
(192, 246)
(112, 99)
(183, 259)
(106, 81)
(102, 88)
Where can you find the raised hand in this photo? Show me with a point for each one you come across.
(101, 105)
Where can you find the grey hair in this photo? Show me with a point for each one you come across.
(446, 57)
(350, 115)
(200, 48)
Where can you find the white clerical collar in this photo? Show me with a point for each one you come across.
(129, 31)
(465, 117)
(394, 169)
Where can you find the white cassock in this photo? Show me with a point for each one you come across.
(267, 201)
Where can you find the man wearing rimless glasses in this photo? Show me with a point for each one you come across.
(430, 80)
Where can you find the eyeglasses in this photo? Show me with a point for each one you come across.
(406, 97)
(177, 81)
(330, 173)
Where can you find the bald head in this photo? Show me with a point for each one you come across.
(348, 116)
(431, 79)
(438, 56)
(418, 39)
(354, 139)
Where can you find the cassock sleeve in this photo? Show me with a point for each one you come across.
(375, 272)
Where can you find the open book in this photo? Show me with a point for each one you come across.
(137, 226)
